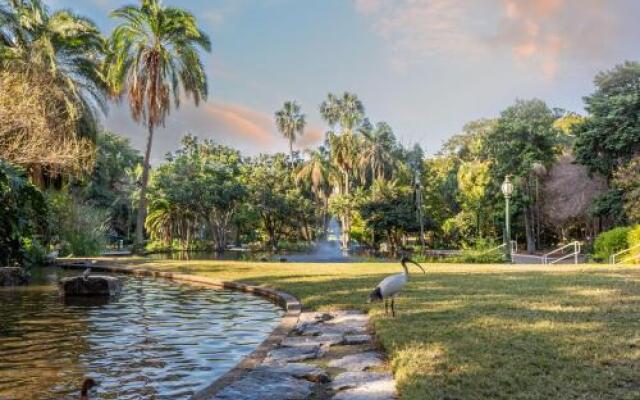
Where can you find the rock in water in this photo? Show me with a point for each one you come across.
(94, 285)
(13, 276)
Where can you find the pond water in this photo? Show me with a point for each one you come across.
(158, 339)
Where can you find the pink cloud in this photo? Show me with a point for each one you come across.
(311, 138)
(539, 34)
(240, 120)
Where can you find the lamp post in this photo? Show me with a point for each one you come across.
(418, 187)
(507, 190)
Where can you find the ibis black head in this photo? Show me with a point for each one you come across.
(375, 296)
(404, 260)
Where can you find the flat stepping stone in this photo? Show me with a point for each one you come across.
(321, 340)
(332, 329)
(298, 370)
(363, 380)
(372, 392)
(356, 339)
(263, 384)
(358, 361)
(349, 317)
(298, 353)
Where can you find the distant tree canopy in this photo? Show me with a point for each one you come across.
(610, 136)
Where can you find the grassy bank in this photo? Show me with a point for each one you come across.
(481, 332)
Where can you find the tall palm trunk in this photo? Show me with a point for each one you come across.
(346, 224)
(291, 150)
(142, 203)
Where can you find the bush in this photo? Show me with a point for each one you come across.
(633, 238)
(35, 253)
(22, 216)
(610, 242)
(80, 229)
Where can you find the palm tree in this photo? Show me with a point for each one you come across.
(61, 51)
(153, 57)
(290, 122)
(377, 152)
(317, 172)
(346, 111)
(62, 43)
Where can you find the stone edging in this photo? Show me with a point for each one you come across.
(289, 303)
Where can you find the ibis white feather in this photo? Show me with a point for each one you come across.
(392, 285)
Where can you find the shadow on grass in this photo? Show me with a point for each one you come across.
(504, 335)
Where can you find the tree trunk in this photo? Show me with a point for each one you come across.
(528, 230)
(142, 203)
(346, 226)
(325, 206)
(291, 150)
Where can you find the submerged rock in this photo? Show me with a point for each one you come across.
(94, 285)
(13, 276)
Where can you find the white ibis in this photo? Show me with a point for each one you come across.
(392, 285)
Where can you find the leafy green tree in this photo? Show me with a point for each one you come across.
(627, 179)
(269, 181)
(153, 57)
(610, 136)
(473, 181)
(199, 186)
(112, 184)
(390, 211)
(290, 122)
(23, 216)
(521, 144)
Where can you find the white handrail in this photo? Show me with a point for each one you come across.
(575, 253)
(624, 260)
(514, 248)
(613, 257)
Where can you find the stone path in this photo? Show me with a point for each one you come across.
(327, 356)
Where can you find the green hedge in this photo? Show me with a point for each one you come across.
(633, 238)
(610, 242)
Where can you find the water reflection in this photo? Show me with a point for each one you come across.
(156, 340)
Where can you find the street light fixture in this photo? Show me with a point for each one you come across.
(507, 191)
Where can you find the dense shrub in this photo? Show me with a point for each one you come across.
(610, 242)
(22, 218)
(80, 230)
(633, 238)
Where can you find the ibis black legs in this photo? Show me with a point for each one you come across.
(386, 307)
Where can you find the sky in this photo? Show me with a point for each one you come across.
(426, 67)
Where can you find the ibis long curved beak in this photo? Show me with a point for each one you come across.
(419, 266)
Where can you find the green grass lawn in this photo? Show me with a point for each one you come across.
(481, 332)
